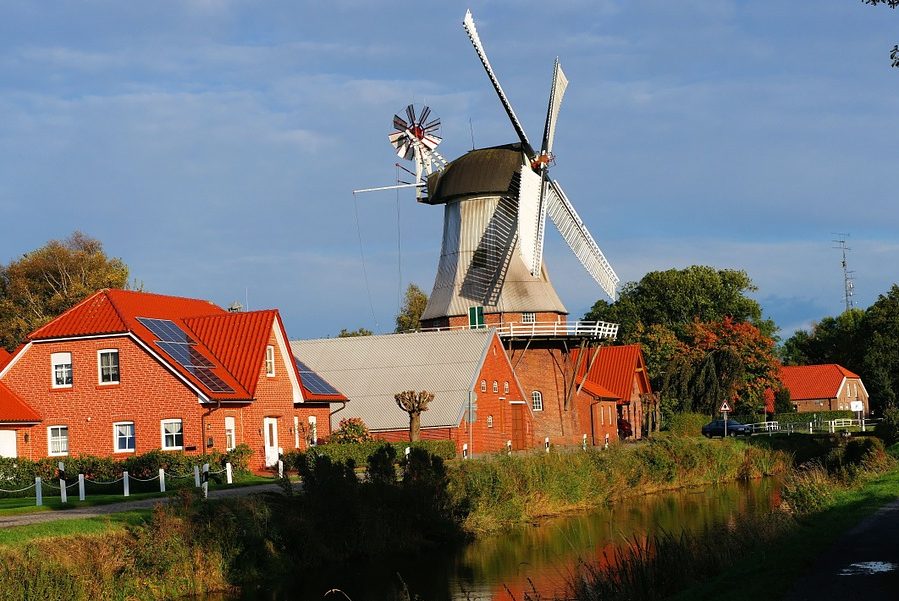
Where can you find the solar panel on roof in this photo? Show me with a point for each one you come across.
(176, 343)
(313, 382)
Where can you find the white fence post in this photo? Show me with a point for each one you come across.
(197, 476)
(206, 480)
(80, 487)
(546, 444)
(464, 450)
(584, 443)
(280, 469)
(38, 492)
(161, 480)
(509, 447)
(606, 446)
(810, 427)
(406, 452)
(126, 485)
(63, 493)
(228, 473)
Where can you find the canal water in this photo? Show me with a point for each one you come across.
(532, 558)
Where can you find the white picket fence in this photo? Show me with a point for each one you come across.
(199, 475)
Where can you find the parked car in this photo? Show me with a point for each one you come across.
(734, 428)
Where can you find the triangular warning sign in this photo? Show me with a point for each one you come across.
(724, 407)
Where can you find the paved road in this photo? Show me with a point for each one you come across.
(862, 564)
(99, 510)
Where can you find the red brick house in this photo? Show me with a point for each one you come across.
(128, 372)
(453, 364)
(827, 387)
(621, 371)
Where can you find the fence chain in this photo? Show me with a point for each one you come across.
(19, 490)
(130, 477)
(100, 482)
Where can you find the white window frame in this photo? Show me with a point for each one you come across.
(116, 438)
(537, 400)
(270, 361)
(506, 387)
(489, 421)
(528, 317)
(230, 428)
(495, 387)
(60, 359)
(51, 437)
(118, 367)
(483, 385)
(162, 434)
(313, 431)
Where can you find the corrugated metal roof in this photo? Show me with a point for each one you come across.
(464, 224)
(369, 370)
(13, 409)
(814, 381)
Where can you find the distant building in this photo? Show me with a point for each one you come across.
(127, 372)
(454, 365)
(828, 387)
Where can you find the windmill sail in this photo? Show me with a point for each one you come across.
(468, 23)
(487, 272)
(579, 239)
(530, 219)
(560, 83)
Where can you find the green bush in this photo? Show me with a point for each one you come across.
(359, 453)
(888, 429)
(350, 430)
(687, 424)
(808, 489)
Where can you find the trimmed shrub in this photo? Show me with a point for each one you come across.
(687, 424)
(359, 453)
(350, 430)
(888, 429)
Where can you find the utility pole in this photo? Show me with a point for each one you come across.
(848, 284)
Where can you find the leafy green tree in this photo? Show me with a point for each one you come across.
(350, 430)
(782, 401)
(344, 333)
(48, 281)
(409, 317)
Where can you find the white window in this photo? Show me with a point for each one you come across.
(495, 386)
(313, 430)
(62, 370)
(172, 434)
(489, 421)
(270, 361)
(58, 440)
(483, 385)
(230, 438)
(505, 388)
(529, 317)
(537, 400)
(123, 437)
(108, 366)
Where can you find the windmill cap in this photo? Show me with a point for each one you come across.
(478, 172)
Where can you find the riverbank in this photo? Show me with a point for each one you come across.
(192, 546)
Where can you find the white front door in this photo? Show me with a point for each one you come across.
(7, 443)
(270, 430)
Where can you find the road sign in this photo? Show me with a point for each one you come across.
(856, 405)
(724, 407)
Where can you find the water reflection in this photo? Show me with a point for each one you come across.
(541, 558)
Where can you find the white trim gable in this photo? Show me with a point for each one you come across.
(287, 355)
(15, 359)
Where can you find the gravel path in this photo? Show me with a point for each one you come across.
(39, 517)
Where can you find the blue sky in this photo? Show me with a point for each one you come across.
(213, 144)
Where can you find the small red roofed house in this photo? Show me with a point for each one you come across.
(827, 387)
(128, 372)
(615, 378)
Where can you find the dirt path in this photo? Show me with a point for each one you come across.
(862, 564)
(39, 517)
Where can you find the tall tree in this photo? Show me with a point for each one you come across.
(409, 317)
(48, 281)
(414, 403)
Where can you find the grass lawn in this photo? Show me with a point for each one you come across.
(770, 572)
(20, 505)
(11, 537)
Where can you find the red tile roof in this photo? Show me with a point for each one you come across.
(4, 357)
(233, 342)
(814, 381)
(598, 391)
(615, 368)
(14, 410)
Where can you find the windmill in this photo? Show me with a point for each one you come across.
(497, 200)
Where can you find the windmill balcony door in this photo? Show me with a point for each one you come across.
(270, 430)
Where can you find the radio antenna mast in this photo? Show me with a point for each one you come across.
(848, 279)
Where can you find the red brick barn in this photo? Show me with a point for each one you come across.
(128, 372)
(621, 371)
(827, 387)
(370, 370)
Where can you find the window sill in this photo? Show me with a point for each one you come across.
(124, 452)
(172, 448)
(66, 454)
(108, 386)
(60, 388)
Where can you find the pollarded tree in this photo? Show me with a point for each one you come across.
(51, 280)
(414, 403)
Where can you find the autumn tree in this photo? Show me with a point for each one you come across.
(722, 361)
(48, 281)
(409, 317)
(414, 403)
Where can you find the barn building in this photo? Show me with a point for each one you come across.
(827, 387)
